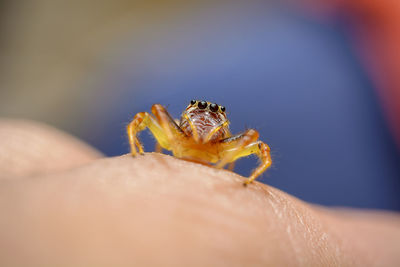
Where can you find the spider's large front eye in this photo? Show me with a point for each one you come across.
(214, 107)
(223, 108)
(202, 104)
(193, 102)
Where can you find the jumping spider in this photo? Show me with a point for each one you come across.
(202, 135)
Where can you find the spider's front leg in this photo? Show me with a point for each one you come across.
(141, 121)
(163, 128)
(263, 152)
(243, 145)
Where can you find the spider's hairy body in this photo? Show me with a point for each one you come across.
(202, 135)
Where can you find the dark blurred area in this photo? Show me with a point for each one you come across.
(295, 72)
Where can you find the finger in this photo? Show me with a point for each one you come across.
(158, 210)
(31, 148)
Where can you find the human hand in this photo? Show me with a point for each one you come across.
(62, 204)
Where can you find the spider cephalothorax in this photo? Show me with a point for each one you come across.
(202, 135)
(204, 121)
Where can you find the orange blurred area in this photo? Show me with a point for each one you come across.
(375, 30)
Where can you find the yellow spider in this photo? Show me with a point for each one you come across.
(202, 135)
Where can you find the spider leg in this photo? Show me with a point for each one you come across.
(231, 166)
(140, 122)
(158, 148)
(232, 145)
(213, 131)
(194, 129)
(263, 152)
(244, 145)
(169, 127)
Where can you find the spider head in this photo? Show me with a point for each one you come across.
(207, 118)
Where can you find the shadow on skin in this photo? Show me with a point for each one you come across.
(159, 210)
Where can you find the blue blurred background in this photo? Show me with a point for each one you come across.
(295, 79)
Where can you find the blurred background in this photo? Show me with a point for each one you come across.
(318, 79)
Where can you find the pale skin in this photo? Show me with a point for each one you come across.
(62, 203)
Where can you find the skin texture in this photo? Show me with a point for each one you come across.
(158, 210)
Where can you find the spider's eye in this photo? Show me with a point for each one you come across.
(193, 102)
(223, 108)
(214, 107)
(202, 104)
